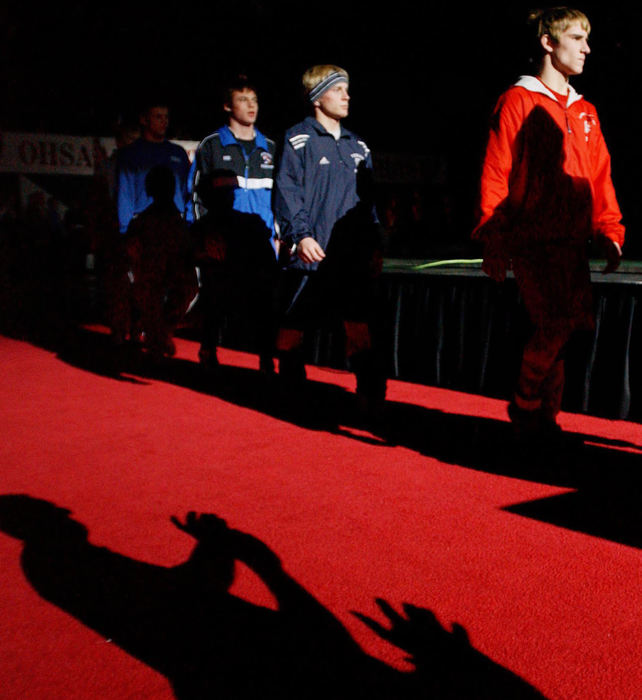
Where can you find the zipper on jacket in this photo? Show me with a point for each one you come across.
(346, 165)
(246, 158)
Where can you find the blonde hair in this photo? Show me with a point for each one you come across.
(554, 21)
(317, 74)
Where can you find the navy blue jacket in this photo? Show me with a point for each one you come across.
(316, 183)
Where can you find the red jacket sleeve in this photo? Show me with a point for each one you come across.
(606, 212)
(506, 123)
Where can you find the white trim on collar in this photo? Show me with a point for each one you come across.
(533, 84)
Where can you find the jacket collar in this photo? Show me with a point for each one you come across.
(533, 84)
(227, 137)
(320, 129)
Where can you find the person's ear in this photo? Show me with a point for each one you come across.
(548, 43)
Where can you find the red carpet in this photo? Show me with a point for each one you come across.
(519, 573)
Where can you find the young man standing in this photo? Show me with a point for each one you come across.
(546, 192)
(134, 161)
(241, 149)
(325, 210)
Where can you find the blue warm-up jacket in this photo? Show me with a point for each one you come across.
(254, 172)
(133, 162)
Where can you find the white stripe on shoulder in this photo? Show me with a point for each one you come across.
(299, 140)
(212, 137)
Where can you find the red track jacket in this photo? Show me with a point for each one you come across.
(547, 173)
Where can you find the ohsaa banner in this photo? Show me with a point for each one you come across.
(57, 154)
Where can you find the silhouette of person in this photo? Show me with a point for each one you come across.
(102, 217)
(12, 281)
(160, 255)
(45, 266)
(184, 622)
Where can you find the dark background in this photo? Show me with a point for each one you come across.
(423, 78)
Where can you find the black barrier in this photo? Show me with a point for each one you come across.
(448, 325)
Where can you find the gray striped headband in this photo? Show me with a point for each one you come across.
(326, 84)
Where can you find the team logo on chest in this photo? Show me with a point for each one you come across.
(589, 121)
(266, 160)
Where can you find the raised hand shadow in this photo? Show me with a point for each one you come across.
(447, 665)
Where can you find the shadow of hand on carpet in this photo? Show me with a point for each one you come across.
(183, 622)
(447, 666)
